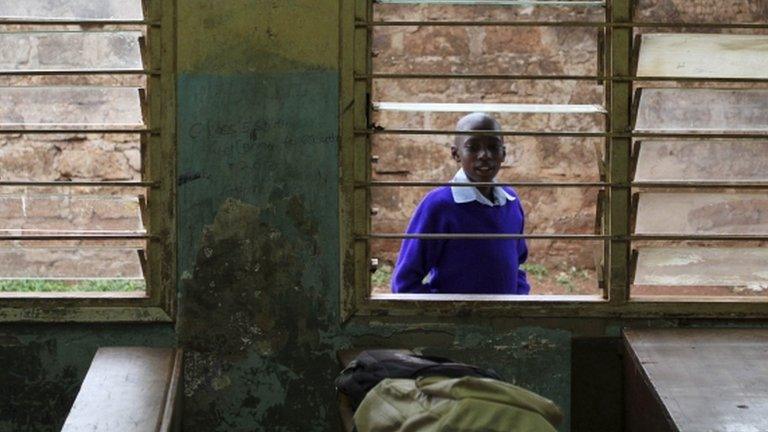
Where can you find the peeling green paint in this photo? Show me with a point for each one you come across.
(259, 248)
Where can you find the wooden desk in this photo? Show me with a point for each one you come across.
(129, 389)
(696, 380)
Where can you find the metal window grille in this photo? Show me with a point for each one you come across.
(637, 91)
(73, 52)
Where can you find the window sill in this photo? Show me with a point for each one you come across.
(82, 307)
(554, 306)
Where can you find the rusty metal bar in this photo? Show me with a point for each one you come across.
(127, 184)
(495, 133)
(522, 3)
(729, 135)
(30, 131)
(82, 22)
(480, 236)
(473, 76)
(693, 184)
(699, 237)
(702, 184)
(476, 184)
(599, 24)
(82, 72)
(620, 78)
(481, 24)
(53, 237)
(382, 131)
(561, 236)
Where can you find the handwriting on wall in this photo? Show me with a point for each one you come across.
(269, 134)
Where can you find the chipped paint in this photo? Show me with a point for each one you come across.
(259, 274)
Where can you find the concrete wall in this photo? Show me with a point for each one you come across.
(259, 254)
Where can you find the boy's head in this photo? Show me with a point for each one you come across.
(479, 155)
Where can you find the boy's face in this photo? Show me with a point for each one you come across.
(480, 156)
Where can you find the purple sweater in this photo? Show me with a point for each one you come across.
(489, 266)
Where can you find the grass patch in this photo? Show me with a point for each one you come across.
(538, 271)
(566, 278)
(382, 276)
(32, 285)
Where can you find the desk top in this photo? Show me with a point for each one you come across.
(713, 380)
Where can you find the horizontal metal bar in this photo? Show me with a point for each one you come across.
(687, 79)
(522, 3)
(494, 133)
(541, 236)
(382, 131)
(26, 183)
(701, 237)
(481, 236)
(702, 184)
(596, 24)
(488, 107)
(474, 76)
(553, 77)
(476, 184)
(155, 132)
(575, 184)
(84, 22)
(81, 72)
(730, 135)
(78, 237)
(683, 25)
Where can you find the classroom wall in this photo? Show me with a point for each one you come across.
(259, 254)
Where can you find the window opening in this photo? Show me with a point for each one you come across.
(678, 150)
(437, 61)
(699, 182)
(83, 201)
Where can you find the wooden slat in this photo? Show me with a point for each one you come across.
(683, 110)
(704, 161)
(702, 213)
(66, 108)
(739, 267)
(127, 390)
(57, 10)
(70, 51)
(713, 380)
(703, 56)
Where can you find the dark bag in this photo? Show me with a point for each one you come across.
(370, 367)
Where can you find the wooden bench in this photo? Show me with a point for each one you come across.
(132, 389)
(693, 380)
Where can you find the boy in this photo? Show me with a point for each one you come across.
(467, 266)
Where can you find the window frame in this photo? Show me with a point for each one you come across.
(158, 157)
(617, 70)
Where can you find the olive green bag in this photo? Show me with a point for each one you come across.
(436, 404)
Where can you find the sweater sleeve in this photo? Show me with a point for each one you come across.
(522, 248)
(418, 256)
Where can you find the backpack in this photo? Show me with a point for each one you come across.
(372, 366)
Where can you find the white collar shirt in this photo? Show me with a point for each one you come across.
(465, 194)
